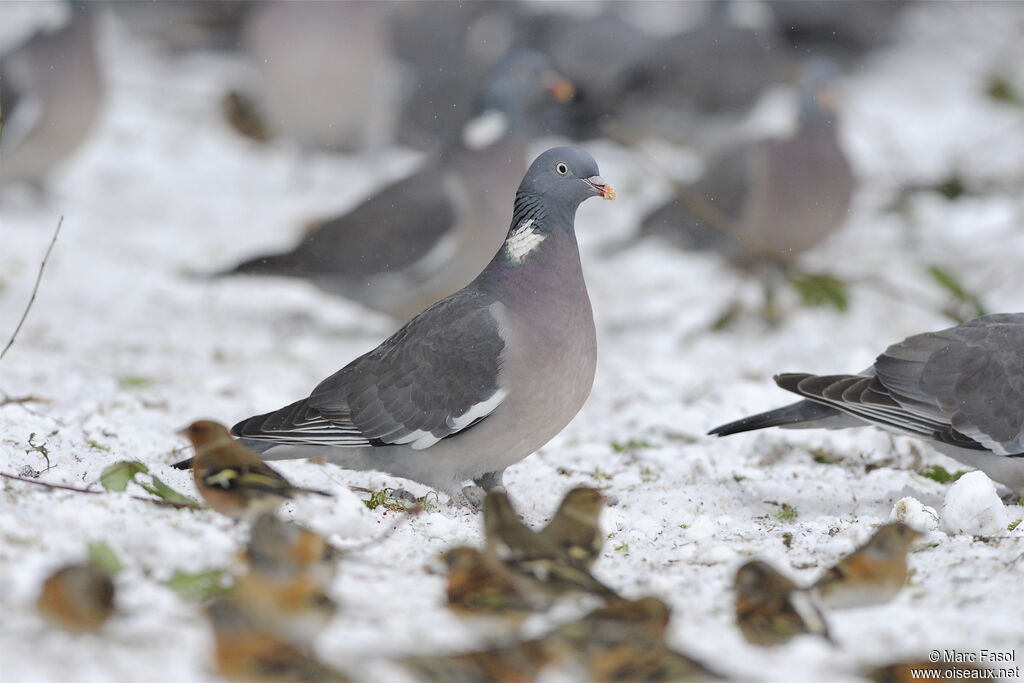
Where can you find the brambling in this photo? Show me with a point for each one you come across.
(642, 661)
(923, 670)
(520, 662)
(530, 557)
(292, 602)
(246, 650)
(481, 586)
(871, 575)
(625, 641)
(771, 609)
(77, 598)
(621, 619)
(575, 526)
(232, 479)
(292, 547)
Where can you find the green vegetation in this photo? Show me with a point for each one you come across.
(941, 474)
(199, 586)
(116, 478)
(103, 557)
(821, 289)
(133, 382)
(787, 514)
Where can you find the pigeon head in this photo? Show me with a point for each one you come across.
(818, 97)
(565, 175)
(512, 95)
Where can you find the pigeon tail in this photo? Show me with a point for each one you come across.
(267, 264)
(802, 414)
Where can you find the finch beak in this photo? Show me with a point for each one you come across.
(602, 188)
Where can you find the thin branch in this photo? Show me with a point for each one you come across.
(20, 400)
(62, 487)
(35, 289)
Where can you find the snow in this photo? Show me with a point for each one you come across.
(973, 507)
(917, 515)
(126, 349)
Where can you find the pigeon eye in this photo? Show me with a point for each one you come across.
(561, 168)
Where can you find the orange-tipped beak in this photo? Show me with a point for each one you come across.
(561, 88)
(604, 189)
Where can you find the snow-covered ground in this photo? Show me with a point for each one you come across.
(125, 350)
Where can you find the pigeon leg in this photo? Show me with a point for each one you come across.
(491, 480)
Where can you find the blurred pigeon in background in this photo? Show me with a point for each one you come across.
(771, 200)
(477, 381)
(595, 53)
(445, 50)
(182, 27)
(693, 87)
(425, 236)
(50, 97)
(842, 31)
(327, 76)
(958, 388)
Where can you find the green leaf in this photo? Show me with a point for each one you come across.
(103, 557)
(631, 445)
(133, 382)
(199, 586)
(1013, 525)
(788, 513)
(162, 490)
(941, 474)
(947, 281)
(821, 289)
(116, 477)
(1001, 90)
(384, 499)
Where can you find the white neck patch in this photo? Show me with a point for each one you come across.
(523, 241)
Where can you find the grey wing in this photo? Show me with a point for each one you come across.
(971, 375)
(389, 231)
(704, 214)
(435, 377)
(393, 229)
(963, 386)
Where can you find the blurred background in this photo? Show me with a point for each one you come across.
(253, 193)
(746, 132)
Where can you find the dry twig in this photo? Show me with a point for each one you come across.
(35, 288)
(62, 487)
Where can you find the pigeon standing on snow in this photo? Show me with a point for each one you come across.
(771, 200)
(477, 381)
(959, 388)
(425, 236)
(50, 95)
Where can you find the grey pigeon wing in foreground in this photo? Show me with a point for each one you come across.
(961, 388)
(479, 380)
